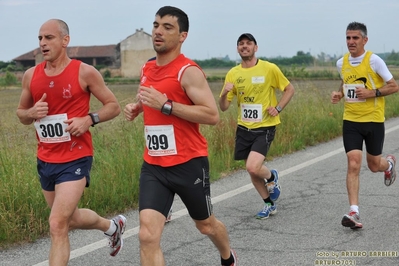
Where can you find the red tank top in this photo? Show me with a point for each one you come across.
(170, 140)
(65, 97)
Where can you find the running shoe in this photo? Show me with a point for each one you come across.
(116, 241)
(267, 210)
(352, 220)
(390, 176)
(235, 263)
(169, 217)
(273, 187)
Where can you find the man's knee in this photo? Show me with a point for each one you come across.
(150, 231)
(207, 226)
(58, 227)
(148, 238)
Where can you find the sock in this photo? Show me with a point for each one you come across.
(112, 228)
(227, 262)
(271, 179)
(354, 208)
(268, 200)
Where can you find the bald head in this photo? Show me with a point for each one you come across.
(53, 39)
(62, 26)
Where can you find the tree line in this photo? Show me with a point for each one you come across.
(291, 66)
(300, 59)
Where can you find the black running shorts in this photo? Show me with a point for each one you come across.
(189, 180)
(258, 139)
(373, 134)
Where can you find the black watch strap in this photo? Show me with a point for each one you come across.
(94, 118)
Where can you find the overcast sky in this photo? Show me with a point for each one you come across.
(281, 27)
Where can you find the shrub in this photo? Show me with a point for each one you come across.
(107, 74)
(8, 80)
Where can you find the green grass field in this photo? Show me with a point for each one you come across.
(309, 119)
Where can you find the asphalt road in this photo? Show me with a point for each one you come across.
(305, 231)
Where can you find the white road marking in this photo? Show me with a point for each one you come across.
(176, 215)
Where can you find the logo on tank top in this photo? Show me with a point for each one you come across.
(66, 93)
(143, 80)
(353, 79)
(51, 85)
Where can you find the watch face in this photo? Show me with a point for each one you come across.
(96, 118)
(167, 108)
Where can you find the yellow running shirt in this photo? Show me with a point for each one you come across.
(255, 91)
(366, 110)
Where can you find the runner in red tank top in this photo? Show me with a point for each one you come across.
(55, 97)
(175, 98)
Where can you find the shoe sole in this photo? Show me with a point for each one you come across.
(116, 251)
(389, 181)
(347, 222)
(235, 257)
(262, 218)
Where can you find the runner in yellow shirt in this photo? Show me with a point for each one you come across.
(365, 81)
(254, 82)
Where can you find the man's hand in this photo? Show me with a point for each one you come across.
(151, 97)
(336, 96)
(363, 93)
(77, 126)
(131, 111)
(227, 88)
(40, 109)
(272, 111)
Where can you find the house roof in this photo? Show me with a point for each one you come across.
(92, 51)
(28, 56)
(77, 52)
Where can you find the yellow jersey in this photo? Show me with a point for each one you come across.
(255, 89)
(365, 110)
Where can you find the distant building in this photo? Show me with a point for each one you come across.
(135, 51)
(128, 56)
(106, 55)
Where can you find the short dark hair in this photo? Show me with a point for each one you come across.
(182, 18)
(358, 26)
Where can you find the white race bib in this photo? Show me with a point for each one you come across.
(350, 94)
(51, 129)
(160, 140)
(251, 112)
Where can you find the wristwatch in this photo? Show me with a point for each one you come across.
(167, 107)
(377, 93)
(94, 118)
(278, 108)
